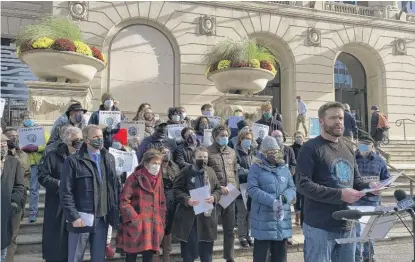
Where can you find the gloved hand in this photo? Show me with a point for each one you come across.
(259, 140)
(30, 148)
(277, 205)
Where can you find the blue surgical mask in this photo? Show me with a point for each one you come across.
(363, 148)
(175, 118)
(116, 145)
(28, 123)
(246, 144)
(207, 113)
(223, 141)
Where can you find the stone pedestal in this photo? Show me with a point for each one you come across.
(49, 100)
(225, 105)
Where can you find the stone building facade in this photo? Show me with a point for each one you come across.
(154, 52)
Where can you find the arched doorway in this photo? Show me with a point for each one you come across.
(350, 86)
(273, 89)
(141, 68)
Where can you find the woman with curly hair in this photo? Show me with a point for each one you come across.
(200, 124)
(140, 111)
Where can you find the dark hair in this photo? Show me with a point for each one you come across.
(206, 106)
(140, 108)
(243, 135)
(8, 129)
(173, 111)
(184, 130)
(322, 110)
(217, 129)
(298, 133)
(199, 149)
(196, 123)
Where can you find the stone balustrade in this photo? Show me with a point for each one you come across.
(410, 18)
(354, 9)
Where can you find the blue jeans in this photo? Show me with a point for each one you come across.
(34, 191)
(320, 245)
(368, 250)
(3, 254)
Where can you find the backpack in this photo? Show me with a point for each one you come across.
(383, 123)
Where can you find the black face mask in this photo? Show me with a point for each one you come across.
(12, 144)
(77, 144)
(191, 140)
(161, 132)
(200, 163)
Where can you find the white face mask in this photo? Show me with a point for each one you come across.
(154, 169)
(109, 103)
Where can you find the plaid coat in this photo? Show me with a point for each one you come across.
(143, 212)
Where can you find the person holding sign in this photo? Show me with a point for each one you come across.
(269, 120)
(143, 207)
(107, 100)
(174, 116)
(271, 187)
(243, 126)
(201, 123)
(195, 232)
(222, 159)
(245, 153)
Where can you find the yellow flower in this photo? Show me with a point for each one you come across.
(18, 51)
(83, 48)
(43, 43)
(255, 63)
(274, 71)
(224, 64)
(104, 58)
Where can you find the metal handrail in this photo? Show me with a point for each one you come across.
(401, 122)
(411, 180)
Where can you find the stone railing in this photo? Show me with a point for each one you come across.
(353, 9)
(410, 18)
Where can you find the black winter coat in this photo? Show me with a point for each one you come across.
(172, 172)
(153, 142)
(350, 126)
(273, 124)
(12, 190)
(184, 155)
(244, 161)
(54, 235)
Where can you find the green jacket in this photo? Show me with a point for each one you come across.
(36, 156)
(25, 164)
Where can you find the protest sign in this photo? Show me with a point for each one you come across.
(2, 104)
(123, 160)
(31, 136)
(259, 130)
(214, 121)
(233, 121)
(175, 131)
(207, 137)
(109, 118)
(135, 129)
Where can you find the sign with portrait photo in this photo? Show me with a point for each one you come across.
(109, 118)
(207, 137)
(31, 136)
(123, 160)
(175, 131)
(135, 129)
(259, 130)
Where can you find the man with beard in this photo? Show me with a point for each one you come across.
(328, 177)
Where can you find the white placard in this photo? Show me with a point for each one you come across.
(2, 104)
(225, 201)
(31, 136)
(135, 129)
(244, 192)
(200, 194)
(109, 118)
(88, 219)
(123, 160)
(259, 130)
(175, 131)
(207, 137)
(233, 121)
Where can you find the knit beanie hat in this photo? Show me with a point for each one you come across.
(121, 136)
(106, 96)
(241, 124)
(269, 143)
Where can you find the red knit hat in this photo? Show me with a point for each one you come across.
(121, 136)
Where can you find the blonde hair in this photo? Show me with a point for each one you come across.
(86, 130)
(266, 106)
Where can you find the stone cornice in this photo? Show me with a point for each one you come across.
(314, 14)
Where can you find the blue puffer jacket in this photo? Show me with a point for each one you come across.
(266, 184)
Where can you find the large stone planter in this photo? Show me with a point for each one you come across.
(61, 66)
(241, 80)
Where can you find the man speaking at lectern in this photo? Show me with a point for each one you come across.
(328, 177)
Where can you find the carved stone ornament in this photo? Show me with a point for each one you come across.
(78, 9)
(207, 25)
(400, 47)
(314, 37)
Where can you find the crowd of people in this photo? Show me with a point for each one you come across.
(88, 201)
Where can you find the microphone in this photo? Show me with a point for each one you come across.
(404, 202)
(353, 214)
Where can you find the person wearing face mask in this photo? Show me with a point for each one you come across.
(140, 111)
(184, 153)
(143, 206)
(174, 116)
(12, 194)
(35, 154)
(169, 171)
(222, 159)
(184, 118)
(271, 187)
(287, 152)
(74, 116)
(200, 124)
(150, 120)
(243, 126)
(372, 168)
(157, 139)
(208, 111)
(54, 234)
(23, 158)
(299, 199)
(196, 233)
(245, 153)
(91, 173)
(232, 122)
(268, 120)
(107, 100)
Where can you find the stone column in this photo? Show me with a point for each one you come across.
(225, 105)
(48, 100)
